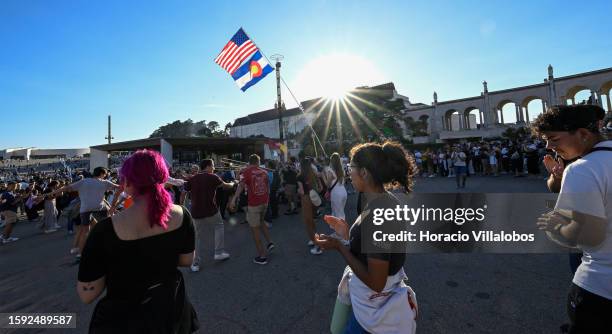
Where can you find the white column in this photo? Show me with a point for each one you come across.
(480, 114)
(573, 100)
(501, 115)
(543, 106)
(518, 113)
(526, 114)
(608, 100)
(166, 151)
(599, 101)
(97, 158)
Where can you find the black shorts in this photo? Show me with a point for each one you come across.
(588, 312)
(87, 216)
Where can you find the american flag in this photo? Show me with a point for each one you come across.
(239, 48)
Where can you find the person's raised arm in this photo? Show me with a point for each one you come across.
(66, 188)
(117, 200)
(555, 167)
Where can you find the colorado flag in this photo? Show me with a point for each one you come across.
(252, 71)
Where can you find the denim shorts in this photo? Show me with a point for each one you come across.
(460, 170)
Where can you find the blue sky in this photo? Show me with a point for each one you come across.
(65, 65)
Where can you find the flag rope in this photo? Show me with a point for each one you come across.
(294, 99)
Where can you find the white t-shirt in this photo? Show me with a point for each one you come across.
(492, 158)
(91, 191)
(459, 159)
(587, 188)
(417, 157)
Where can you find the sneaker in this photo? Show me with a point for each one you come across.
(51, 230)
(310, 243)
(9, 240)
(222, 256)
(270, 247)
(195, 268)
(316, 250)
(74, 250)
(260, 260)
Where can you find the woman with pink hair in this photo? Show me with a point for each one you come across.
(134, 256)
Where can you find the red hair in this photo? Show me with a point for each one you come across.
(147, 172)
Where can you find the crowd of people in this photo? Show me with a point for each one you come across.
(135, 226)
(484, 158)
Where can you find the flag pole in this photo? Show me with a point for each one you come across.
(279, 102)
(279, 79)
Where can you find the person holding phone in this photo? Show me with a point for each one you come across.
(374, 278)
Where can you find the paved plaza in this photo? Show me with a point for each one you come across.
(295, 292)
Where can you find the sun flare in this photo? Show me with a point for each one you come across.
(334, 75)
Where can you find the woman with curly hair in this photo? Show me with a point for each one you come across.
(373, 281)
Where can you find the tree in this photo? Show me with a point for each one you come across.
(188, 129)
(364, 116)
(213, 126)
(227, 129)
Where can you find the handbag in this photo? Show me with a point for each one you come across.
(328, 192)
(314, 197)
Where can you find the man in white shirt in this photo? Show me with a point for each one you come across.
(459, 164)
(93, 206)
(583, 213)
